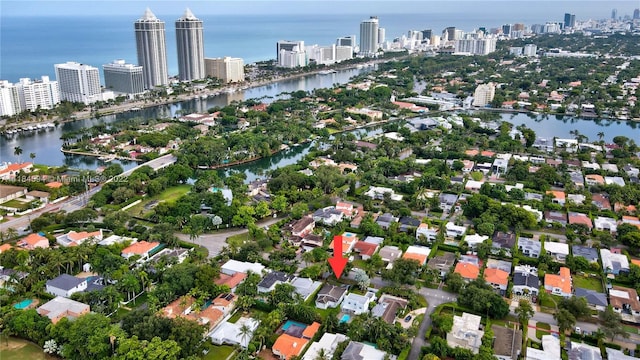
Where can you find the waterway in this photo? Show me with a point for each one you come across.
(46, 144)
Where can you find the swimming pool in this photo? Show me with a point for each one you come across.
(23, 304)
(345, 318)
(290, 323)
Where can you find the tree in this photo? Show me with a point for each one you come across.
(611, 323)
(524, 311)
(404, 271)
(244, 216)
(279, 203)
(361, 278)
(565, 319)
(17, 151)
(135, 349)
(577, 306)
(32, 156)
(454, 282)
(87, 337)
(298, 210)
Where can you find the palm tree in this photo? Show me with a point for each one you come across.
(600, 135)
(32, 156)
(17, 151)
(245, 332)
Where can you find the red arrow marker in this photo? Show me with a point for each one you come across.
(337, 262)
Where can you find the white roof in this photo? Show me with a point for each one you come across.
(472, 184)
(556, 247)
(453, 227)
(608, 258)
(235, 266)
(230, 333)
(422, 250)
(475, 239)
(328, 342)
(61, 305)
(115, 239)
(613, 354)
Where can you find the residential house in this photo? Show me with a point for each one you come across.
(311, 241)
(500, 166)
(596, 300)
(474, 240)
(502, 241)
(269, 282)
(605, 224)
(453, 230)
(508, 342)
(529, 247)
(360, 351)
(387, 308)
(615, 354)
(525, 280)
(468, 271)
(231, 333)
(365, 249)
(73, 238)
(551, 349)
(385, 220)
(329, 216)
(5, 247)
(65, 285)
(378, 193)
(61, 307)
(287, 346)
(41, 196)
(348, 240)
(429, 233)
(232, 281)
(580, 219)
(473, 186)
(558, 251)
(407, 223)
(233, 266)
(499, 264)
(632, 220)
(447, 201)
(330, 296)
(225, 302)
(465, 332)
(613, 262)
(557, 197)
(327, 344)
(347, 209)
(10, 192)
(10, 276)
(577, 179)
(601, 201)
(305, 287)
(555, 216)
(303, 226)
(33, 241)
(614, 180)
(625, 301)
(389, 254)
(417, 253)
(140, 248)
(576, 199)
(589, 253)
(559, 284)
(184, 307)
(116, 239)
(357, 304)
(579, 351)
(9, 171)
(442, 263)
(498, 279)
(376, 240)
(594, 179)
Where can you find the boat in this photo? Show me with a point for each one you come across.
(327, 72)
(135, 109)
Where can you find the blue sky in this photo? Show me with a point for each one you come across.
(583, 8)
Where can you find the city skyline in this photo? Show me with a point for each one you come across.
(152, 49)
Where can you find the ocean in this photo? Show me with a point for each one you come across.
(29, 46)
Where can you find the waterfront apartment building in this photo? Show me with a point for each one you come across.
(78, 82)
(123, 78)
(484, 94)
(152, 50)
(291, 54)
(9, 99)
(43, 93)
(369, 42)
(330, 54)
(482, 46)
(190, 43)
(227, 69)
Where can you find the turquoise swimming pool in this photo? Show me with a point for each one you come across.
(345, 318)
(290, 323)
(23, 304)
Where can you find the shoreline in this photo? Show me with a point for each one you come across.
(143, 104)
(100, 155)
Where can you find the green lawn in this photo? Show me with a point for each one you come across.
(550, 301)
(540, 332)
(218, 352)
(238, 240)
(18, 349)
(589, 283)
(169, 195)
(17, 204)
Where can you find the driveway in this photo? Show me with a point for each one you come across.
(434, 298)
(214, 242)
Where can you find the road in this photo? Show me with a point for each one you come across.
(434, 298)
(218, 240)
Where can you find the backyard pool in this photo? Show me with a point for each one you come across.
(345, 318)
(23, 304)
(290, 323)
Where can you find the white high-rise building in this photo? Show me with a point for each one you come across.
(78, 82)
(330, 54)
(484, 94)
(291, 54)
(344, 53)
(190, 41)
(369, 37)
(382, 34)
(9, 99)
(227, 69)
(43, 93)
(123, 78)
(482, 46)
(530, 50)
(152, 50)
(347, 41)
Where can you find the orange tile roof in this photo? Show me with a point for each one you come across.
(231, 280)
(487, 153)
(561, 281)
(365, 248)
(467, 270)
(635, 262)
(54, 184)
(224, 299)
(4, 247)
(346, 242)
(32, 240)
(557, 194)
(78, 236)
(15, 167)
(421, 258)
(176, 308)
(289, 346)
(579, 218)
(311, 330)
(140, 247)
(595, 177)
(472, 152)
(209, 317)
(496, 276)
